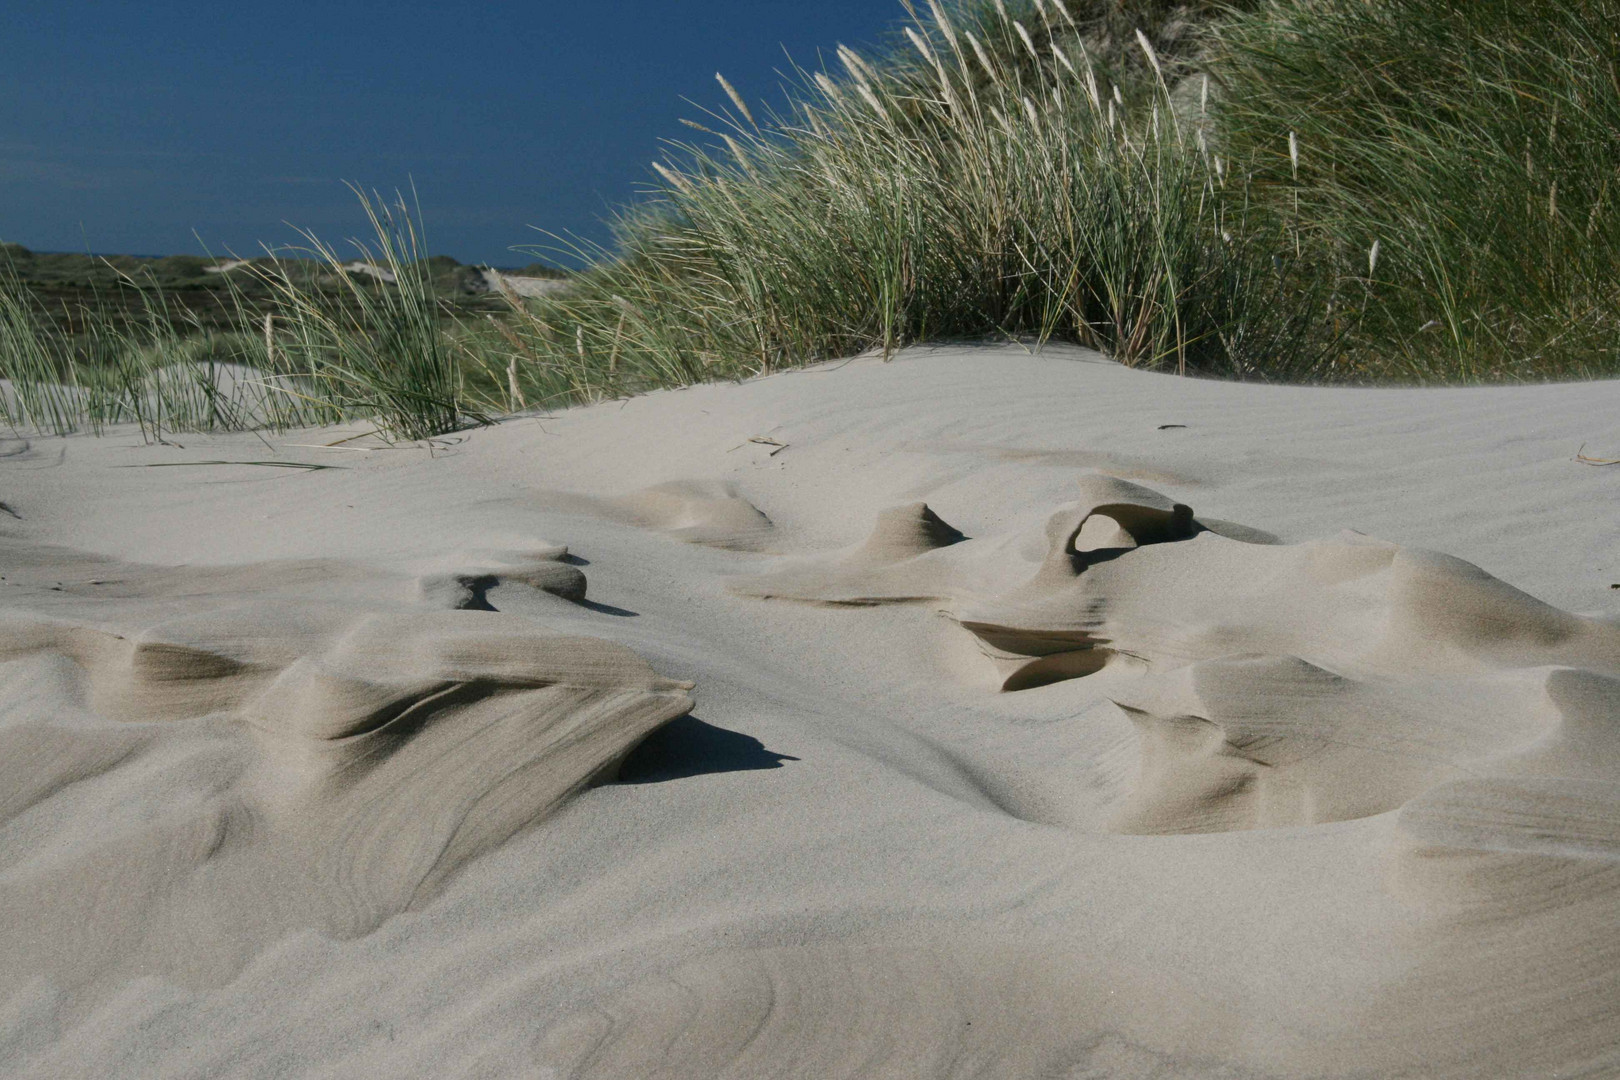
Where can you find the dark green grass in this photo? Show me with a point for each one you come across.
(1295, 190)
(1476, 143)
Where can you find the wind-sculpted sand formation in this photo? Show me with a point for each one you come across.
(224, 777)
(1000, 763)
(1275, 685)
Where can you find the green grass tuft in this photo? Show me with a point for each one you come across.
(1475, 143)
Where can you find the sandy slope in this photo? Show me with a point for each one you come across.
(1020, 717)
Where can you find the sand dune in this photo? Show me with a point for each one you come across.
(1005, 716)
(297, 767)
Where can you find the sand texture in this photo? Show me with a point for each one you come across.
(975, 714)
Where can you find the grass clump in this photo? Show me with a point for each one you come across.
(157, 375)
(1453, 172)
(1302, 190)
(991, 181)
(378, 349)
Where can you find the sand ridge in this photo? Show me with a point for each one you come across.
(319, 767)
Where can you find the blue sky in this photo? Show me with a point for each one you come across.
(128, 127)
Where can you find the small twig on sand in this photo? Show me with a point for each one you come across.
(266, 464)
(766, 440)
(351, 438)
(348, 449)
(1580, 456)
(763, 440)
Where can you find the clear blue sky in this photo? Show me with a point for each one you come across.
(127, 127)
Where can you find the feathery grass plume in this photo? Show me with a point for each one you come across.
(984, 60)
(1091, 79)
(943, 22)
(922, 47)
(871, 99)
(736, 99)
(672, 178)
(1152, 57)
(857, 67)
(828, 88)
(743, 160)
(1028, 43)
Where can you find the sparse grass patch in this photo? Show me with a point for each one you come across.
(380, 350)
(376, 348)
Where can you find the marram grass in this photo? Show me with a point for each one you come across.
(1451, 168)
(990, 181)
(1301, 190)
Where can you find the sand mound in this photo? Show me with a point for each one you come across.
(1129, 573)
(463, 581)
(1265, 741)
(1269, 685)
(692, 511)
(230, 776)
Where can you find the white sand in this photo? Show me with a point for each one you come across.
(1000, 761)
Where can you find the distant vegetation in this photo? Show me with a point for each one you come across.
(1322, 190)
(67, 284)
(304, 336)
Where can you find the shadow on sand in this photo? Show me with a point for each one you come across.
(689, 747)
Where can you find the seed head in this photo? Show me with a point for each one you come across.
(922, 46)
(1153, 57)
(978, 50)
(871, 99)
(736, 98)
(672, 178)
(1028, 43)
(943, 22)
